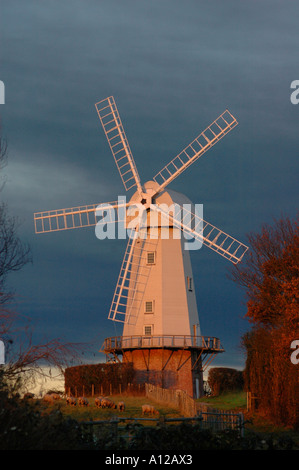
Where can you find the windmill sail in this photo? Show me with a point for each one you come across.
(115, 134)
(132, 280)
(208, 234)
(75, 217)
(209, 137)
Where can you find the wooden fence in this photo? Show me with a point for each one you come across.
(217, 420)
(119, 429)
(176, 398)
(106, 389)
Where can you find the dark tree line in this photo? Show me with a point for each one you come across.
(270, 277)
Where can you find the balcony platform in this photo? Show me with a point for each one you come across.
(118, 344)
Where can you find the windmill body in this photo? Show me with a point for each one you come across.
(165, 301)
(155, 296)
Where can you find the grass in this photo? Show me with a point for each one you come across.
(262, 425)
(234, 401)
(133, 409)
(230, 401)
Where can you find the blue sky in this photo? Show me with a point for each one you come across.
(172, 67)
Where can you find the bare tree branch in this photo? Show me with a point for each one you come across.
(14, 254)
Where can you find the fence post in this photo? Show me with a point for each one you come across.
(241, 423)
(114, 423)
(161, 420)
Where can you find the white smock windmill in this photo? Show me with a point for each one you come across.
(155, 294)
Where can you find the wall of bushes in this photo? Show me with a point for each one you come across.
(224, 379)
(102, 378)
(271, 376)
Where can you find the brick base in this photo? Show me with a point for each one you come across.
(168, 368)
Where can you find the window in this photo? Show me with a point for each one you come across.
(151, 257)
(149, 306)
(189, 283)
(148, 330)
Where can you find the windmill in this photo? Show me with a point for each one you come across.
(155, 297)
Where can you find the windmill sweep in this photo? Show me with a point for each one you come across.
(155, 297)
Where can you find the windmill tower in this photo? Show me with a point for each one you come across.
(155, 296)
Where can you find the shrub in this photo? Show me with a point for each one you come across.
(223, 379)
(25, 426)
(102, 376)
(188, 437)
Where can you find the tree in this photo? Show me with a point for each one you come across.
(14, 254)
(224, 379)
(270, 277)
(270, 274)
(21, 355)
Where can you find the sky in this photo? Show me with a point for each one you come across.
(172, 67)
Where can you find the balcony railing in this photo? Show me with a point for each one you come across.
(118, 343)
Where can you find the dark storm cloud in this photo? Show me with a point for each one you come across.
(173, 67)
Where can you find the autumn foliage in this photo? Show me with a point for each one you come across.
(270, 276)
